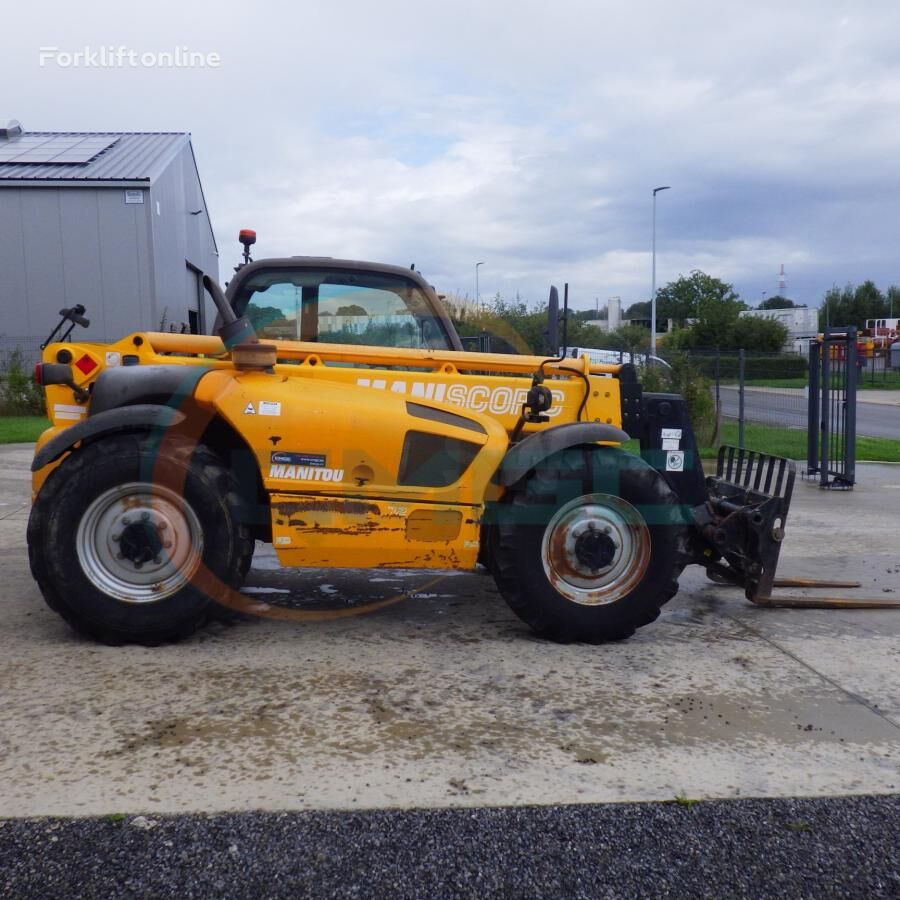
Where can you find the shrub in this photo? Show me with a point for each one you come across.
(19, 395)
(686, 378)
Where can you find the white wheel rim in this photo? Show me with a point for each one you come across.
(596, 549)
(139, 543)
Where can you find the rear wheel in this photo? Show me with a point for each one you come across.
(132, 541)
(590, 546)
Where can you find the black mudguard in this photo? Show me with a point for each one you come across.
(127, 385)
(534, 449)
(127, 418)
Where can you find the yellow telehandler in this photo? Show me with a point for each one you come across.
(335, 415)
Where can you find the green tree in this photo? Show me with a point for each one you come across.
(353, 309)
(639, 310)
(755, 333)
(698, 296)
(262, 316)
(524, 327)
(779, 302)
(853, 305)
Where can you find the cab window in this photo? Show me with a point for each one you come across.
(334, 307)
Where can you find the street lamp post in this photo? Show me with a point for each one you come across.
(477, 292)
(656, 190)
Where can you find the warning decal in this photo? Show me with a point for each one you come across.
(675, 461)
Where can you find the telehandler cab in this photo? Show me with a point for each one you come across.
(336, 416)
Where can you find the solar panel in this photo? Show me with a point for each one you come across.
(56, 149)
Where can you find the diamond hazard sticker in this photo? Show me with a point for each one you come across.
(85, 364)
(675, 461)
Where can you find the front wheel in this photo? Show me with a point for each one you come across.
(590, 546)
(131, 541)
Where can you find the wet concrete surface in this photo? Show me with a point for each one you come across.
(445, 699)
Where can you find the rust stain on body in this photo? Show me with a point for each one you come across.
(348, 507)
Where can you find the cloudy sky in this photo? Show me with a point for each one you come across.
(528, 135)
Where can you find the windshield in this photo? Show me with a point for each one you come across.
(340, 307)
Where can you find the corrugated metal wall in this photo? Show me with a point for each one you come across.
(62, 246)
(125, 262)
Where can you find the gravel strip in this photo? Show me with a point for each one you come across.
(845, 847)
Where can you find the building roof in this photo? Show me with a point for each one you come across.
(95, 157)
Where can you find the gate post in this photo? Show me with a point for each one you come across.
(812, 408)
(850, 417)
(825, 408)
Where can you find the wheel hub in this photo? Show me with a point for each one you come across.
(595, 549)
(139, 542)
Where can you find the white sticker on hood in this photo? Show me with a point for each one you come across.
(68, 411)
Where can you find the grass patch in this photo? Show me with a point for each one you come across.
(882, 382)
(775, 382)
(789, 442)
(21, 429)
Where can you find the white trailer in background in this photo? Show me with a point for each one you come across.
(802, 324)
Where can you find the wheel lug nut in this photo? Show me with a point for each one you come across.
(161, 526)
(126, 520)
(157, 559)
(145, 516)
(167, 544)
(138, 564)
(117, 537)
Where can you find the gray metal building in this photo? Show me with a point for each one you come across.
(114, 221)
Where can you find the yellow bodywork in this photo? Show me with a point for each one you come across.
(328, 428)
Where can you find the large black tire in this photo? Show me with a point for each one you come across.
(145, 497)
(590, 546)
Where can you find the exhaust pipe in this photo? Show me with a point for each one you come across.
(234, 330)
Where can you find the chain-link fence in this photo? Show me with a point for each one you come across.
(876, 368)
(761, 399)
(18, 393)
(29, 352)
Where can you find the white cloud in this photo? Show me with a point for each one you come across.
(528, 136)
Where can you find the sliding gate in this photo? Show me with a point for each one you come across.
(833, 374)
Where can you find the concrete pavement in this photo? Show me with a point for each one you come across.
(446, 700)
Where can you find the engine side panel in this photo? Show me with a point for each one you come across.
(341, 462)
(332, 531)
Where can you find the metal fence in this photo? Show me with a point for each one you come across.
(876, 367)
(28, 348)
(25, 352)
(758, 397)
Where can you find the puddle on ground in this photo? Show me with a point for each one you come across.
(359, 715)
